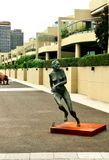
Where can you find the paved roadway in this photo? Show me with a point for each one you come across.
(26, 115)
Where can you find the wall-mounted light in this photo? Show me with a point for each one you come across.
(46, 68)
(67, 68)
(92, 68)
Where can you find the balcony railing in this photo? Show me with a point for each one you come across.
(77, 27)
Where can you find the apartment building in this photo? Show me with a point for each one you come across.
(5, 33)
(80, 39)
(16, 38)
(9, 39)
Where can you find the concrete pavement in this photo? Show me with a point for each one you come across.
(57, 155)
(82, 99)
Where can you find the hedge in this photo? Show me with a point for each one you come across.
(64, 62)
(87, 60)
(94, 60)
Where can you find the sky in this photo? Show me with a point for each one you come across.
(32, 16)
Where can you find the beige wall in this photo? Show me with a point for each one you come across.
(94, 84)
(13, 73)
(81, 14)
(20, 74)
(83, 80)
(71, 74)
(95, 4)
(32, 73)
(46, 73)
(2, 71)
(35, 76)
(52, 30)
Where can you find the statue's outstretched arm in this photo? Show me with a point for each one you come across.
(60, 83)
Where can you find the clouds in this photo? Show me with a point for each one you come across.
(35, 15)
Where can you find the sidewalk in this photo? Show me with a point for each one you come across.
(56, 156)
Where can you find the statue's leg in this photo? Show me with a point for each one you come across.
(7, 81)
(3, 81)
(65, 113)
(70, 108)
(58, 98)
(73, 113)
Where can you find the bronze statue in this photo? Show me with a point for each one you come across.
(57, 82)
(4, 79)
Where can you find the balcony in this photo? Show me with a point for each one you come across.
(80, 37)
(48, 48)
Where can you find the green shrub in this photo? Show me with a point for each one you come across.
(2, 66)
(35, 63)
(25, 58)
(67, 62)
(47, 63)
(87, 60)
(94, 60)
(64, 32)
(38, 63)
(64, 62)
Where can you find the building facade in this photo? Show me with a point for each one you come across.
(80, 41)
(5, 33)
(9, 39)
(16, 38)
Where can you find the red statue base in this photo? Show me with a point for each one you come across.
(85, 129)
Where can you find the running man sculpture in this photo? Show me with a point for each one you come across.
(57, 83)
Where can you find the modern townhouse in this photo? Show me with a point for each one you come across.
(80, 38)
(71, 36)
